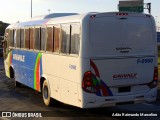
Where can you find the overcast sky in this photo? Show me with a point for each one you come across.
(20, 10)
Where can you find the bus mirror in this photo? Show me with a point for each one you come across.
(2, 44)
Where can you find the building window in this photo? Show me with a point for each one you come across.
(49, 46)
(56, 38)
(75, 39)
(65, 41)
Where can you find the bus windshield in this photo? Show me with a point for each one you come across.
(112, 36)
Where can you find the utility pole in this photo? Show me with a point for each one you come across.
(49, 11)
(31, 8)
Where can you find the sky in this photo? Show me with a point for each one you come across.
(12, 11)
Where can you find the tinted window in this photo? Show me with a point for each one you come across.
(43, 38)
(65, 42)
(49, 46)
(18, 42)
(31, 38)
(22, 38)
(37, 38)
(11, 33)
(56, 38)
(75, 39)
(27, 38)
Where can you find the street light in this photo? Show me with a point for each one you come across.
(31, 8)
(49, 11)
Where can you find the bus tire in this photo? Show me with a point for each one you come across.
(46, 94)
(17, 84)
(12, 76)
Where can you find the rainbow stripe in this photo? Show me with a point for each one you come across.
(37, 72)
(100, 85)
(9, 59)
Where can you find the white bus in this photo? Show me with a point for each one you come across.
(88, 60)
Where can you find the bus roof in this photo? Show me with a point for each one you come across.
(52, 15)
(64, 18)
(43, 20)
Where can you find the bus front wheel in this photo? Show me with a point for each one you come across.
(46, 94)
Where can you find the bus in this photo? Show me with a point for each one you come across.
(85, 60)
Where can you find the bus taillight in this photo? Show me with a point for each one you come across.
(154, 83)
(2, 44)
(122, 14)
(87, 83)
(155, 74)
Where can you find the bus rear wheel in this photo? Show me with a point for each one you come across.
(17, 84)
(12, 76)
(46, 94)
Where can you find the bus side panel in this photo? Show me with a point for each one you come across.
(27, 66)
(85, 97)
(63, 75)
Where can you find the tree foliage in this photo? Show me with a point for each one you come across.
(2, 28)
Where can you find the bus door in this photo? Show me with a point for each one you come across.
(5, 46)
(6, 55)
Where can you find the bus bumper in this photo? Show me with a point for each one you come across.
(149, 96)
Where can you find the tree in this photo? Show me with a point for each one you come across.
(2, 28)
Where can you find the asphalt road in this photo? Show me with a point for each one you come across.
(25, 99)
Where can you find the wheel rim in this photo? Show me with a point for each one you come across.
(45, 92)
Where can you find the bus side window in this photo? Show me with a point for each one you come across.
(56, 38)
(11, 34)
(65, 41)
(49, 46)
(18, 38)
(31, 38)
(37, 39)
(22, 38)
(75, 39)
(27, 38)
(43, 38)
